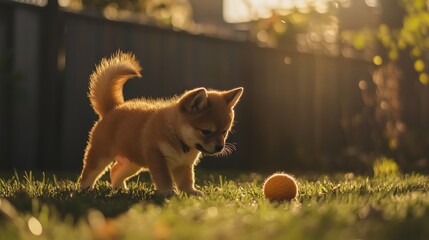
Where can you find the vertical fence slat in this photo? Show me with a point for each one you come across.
(77, 116)
(25, 96)
(6, 79)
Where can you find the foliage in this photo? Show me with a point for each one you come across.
(313, 30)
(410, 38)
(341, 206)
(168, 13)
(391, 92)
(399, 52)
(385, 167)
(310, 29)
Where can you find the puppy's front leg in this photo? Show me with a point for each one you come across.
(185, 180)
(160, 174)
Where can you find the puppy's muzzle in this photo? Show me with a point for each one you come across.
(217, 149)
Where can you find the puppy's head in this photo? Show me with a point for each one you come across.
(207, 118)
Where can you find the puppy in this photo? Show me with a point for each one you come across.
(163, 136)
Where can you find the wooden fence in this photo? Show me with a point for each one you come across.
(289, 117)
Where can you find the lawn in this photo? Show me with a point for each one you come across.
(340, 206)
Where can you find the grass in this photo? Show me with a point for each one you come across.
(342, 206)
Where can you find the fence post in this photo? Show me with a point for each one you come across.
(49, 85)
(23, 101)
(6, 77)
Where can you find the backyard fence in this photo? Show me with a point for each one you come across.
(291, 114)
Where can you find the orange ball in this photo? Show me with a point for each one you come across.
(280, 187)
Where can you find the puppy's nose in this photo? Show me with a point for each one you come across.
(218, 147)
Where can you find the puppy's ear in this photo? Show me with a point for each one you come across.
(194, 101)
(232, 96)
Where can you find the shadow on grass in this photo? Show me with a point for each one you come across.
(29, 193)
(78, 203)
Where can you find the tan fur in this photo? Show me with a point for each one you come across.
(164, 136)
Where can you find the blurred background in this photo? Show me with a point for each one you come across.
(330, 85)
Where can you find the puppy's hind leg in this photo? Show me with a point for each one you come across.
(121, 171)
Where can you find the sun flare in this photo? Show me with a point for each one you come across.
(236, 11)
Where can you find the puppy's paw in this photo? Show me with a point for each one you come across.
(85, 188)
(194, 192)
(166, 193)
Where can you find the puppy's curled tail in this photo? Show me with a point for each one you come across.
(105, 86)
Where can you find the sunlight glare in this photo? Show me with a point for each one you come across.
(363, 85)
(40, 3)
(301, 4)
(35, 226)
(285, 4)
(346, 3)
(377, 60)
(262, 36)
(372, 3)
(419, 65)
(321, 6)
(235, 11)
(111, 11)
(212, 212)
(64, 3)
(424, 79)
(384, 105)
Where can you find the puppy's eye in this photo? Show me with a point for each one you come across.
(206, 132)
